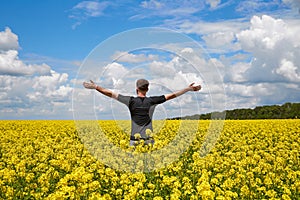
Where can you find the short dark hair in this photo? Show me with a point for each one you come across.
(142, 84)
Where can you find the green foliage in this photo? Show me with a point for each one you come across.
(285, 111)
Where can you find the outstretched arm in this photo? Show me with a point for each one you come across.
(102, 90)
(191, 87)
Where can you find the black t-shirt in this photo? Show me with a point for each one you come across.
(141, 111)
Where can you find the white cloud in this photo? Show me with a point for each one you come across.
(221, 42)
(115, 70)
(178, 81)
(204, 28)
(10, 64)
(272, 45)
(275, 47)
(91, 8)
(132, 58)
(54, 93)
(218, 37)
(33, 97)
(8, 40)
(235, 72)
(176, 8)
(169, 8)
(289, 71)
(48, 85)
(293, 4)
(261, 94)
(272, 76)
(254, 6)
(265, 32)
(113, 75)
(86, 9)
(152, 4)
(213, 3)
(30, 90)
(164, 69)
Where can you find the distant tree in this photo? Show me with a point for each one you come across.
(285, 111)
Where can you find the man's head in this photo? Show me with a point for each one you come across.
(142, 85)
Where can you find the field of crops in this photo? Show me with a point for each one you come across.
(258, 159)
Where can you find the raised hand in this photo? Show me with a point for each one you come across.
(194, 88)
(90, 85)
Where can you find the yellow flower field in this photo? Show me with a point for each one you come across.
(252, 159)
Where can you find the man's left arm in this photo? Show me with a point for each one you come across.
(100, 89)
(191, 87)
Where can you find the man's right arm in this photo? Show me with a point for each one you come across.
(100, 89)
(191, 87)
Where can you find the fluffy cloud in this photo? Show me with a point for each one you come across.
(272, 75)
(221, 42)
(8, 40)
(164, 69)
(86, 9)
(132, 58)
(276, 50)
(218, 37)
(152, 4)
(30, 90)
(169, 8)
(265, 32)
(254, 6)
(259, 61)
(204, 28)
(213, 3)
(293, 4)
(235, 72)
(288, 70)
(10, 64)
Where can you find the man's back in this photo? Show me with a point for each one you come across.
(141, 108)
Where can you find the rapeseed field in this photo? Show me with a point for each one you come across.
(251, 159)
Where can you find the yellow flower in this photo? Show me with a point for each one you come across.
(285, 197)
(137, 136)
(245, 190)
(252, 159)
(149, 133)
(94, 185)
(214, 181)
(208, 194)
(268, 181)
(119, 191)
(271, 193)
(151, 186)
(220, 197)
(123, 143)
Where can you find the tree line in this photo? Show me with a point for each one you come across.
(285, 111)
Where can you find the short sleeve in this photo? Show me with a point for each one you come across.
(124, 99)
(158, 99)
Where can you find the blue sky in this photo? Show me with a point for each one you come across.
(253, 44)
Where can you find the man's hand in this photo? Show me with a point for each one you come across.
(100, 89)
(194, 88)
(191, 87)
(90, 85)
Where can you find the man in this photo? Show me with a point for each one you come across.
(141, 107)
